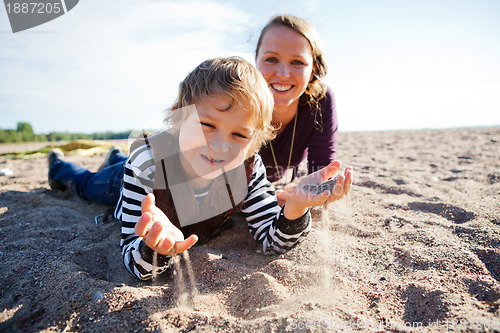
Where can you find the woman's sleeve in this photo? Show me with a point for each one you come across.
(323, 144)
(137, 183)
(265, 217)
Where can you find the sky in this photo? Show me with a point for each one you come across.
(115, 65)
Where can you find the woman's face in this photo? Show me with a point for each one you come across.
(285, 60)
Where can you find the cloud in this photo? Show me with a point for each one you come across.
(107, 63)
(116, 65)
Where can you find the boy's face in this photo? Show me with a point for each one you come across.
(214, 138)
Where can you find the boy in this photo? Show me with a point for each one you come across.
(188, 181)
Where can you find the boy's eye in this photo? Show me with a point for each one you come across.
(240, 135)
(207, 125)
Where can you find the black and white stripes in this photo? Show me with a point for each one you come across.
(265, 218)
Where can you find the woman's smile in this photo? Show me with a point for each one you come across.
(281, 87)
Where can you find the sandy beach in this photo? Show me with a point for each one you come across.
(414, 247)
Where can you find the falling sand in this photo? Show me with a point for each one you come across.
(185, 297)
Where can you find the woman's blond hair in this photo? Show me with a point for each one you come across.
(238, 79)
(315, 90)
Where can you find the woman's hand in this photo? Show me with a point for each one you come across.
(158, 232)
(299, 199)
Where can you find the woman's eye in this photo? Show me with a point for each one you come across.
(272, 60)
(298, 63)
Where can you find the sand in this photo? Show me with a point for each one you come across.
(414, 247)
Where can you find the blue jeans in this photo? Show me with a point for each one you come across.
(102, 187)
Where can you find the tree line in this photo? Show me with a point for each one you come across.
(24, 133)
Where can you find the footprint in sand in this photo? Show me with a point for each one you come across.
(424, 305)
(491, 259)
(389, 189)
(449, 212)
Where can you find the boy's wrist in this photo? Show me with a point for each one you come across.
(148, 255)
(293, 210)
(293, 227)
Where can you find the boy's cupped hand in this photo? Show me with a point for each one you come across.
(158, 232)
(298, 200)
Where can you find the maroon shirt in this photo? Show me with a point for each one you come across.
(317, 143)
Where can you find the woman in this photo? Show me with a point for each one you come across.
(291, 59)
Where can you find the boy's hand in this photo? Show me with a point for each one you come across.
(299, 200)
(158, 232)
(281, 197)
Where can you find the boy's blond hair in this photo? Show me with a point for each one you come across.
(238, 79)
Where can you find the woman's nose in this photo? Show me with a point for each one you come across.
(282, 70)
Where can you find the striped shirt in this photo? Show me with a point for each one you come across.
(265, 218)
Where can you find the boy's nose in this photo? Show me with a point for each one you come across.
(219, 146)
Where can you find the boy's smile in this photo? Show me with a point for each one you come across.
(215, 138)
(212, 160)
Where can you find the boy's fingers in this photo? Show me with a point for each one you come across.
(281, 196)
(348, 180)
(338, 189)
(324, 196)
(169, 248)
(153, 236)
(148, 203)
(318, 199)
(142, 226)
(185, 244)
(166, 247)
(330, 170)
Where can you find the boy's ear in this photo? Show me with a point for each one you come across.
(176, 125)
(254, 148)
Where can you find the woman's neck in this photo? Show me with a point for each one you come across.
(284, 114)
